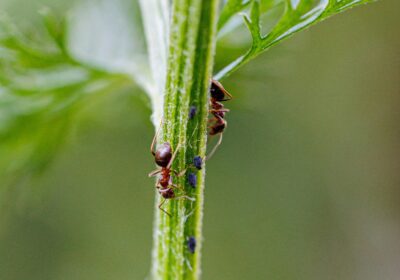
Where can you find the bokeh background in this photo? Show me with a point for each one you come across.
(305, 185)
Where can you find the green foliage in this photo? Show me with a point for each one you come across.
(41, 90)
(285, 17)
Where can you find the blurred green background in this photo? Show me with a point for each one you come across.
(305, 185)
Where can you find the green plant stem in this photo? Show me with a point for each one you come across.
(189, 69)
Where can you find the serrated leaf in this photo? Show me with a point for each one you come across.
(297, 15)
(231, 8)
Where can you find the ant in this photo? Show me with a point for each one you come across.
(218, 94)
(164, 158)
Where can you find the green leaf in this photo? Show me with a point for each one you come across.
(47, 74)
(108, 35)
(42, 88)
(231, 8)
(126, 37)
(156, 19)
(296, 15)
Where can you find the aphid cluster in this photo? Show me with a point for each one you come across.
(164, 156)
(198, 164)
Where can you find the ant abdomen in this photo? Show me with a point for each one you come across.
(163, 155)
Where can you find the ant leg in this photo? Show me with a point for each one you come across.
(155, 172)
(179, 174)
(155, 138)
(194, 131)
(162, 209)
(179, 197)
(173, 156)
(227, 99)
(184, 197)
(176, 187)
(215, 148)
(219, 110)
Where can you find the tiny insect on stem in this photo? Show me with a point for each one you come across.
(191, 243)
(192, 179)
(192, 112)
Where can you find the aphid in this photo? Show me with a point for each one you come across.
(218, 123)
(198, 162)
(192, 112)
(191, 243)
(164, 158)
(192, 179)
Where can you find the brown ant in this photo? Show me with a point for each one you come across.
(218, 94)
(164, 159)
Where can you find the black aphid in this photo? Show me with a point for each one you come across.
(192, 244)
(197, 162)
(192, 112)
(192, 179)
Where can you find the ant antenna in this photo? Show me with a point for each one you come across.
(173, 156)
(155, 138)
(194, 131)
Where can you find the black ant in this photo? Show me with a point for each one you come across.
(218, 94)
(164, 159)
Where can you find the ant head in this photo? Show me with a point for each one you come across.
(163, 154)
(218, 92)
